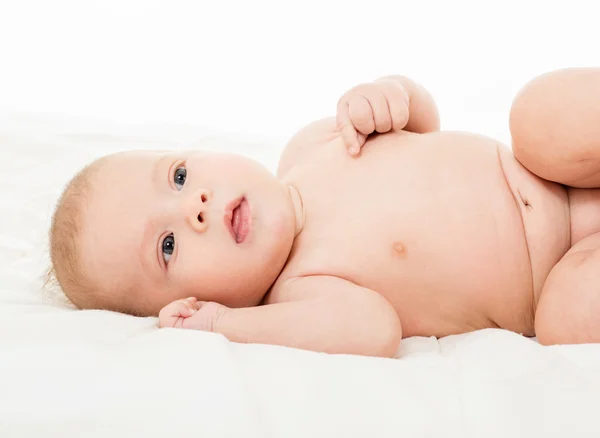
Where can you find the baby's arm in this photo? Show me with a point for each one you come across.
(318, 313)
(422, 110)
(555, 126)
(391, 102)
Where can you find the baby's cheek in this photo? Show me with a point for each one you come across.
(163, 295)
(203, 280)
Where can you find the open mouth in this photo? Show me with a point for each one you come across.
(238, 218)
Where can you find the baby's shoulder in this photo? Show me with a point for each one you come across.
(305, 141)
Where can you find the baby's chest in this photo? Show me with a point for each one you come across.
(407, 207)
(362, 215)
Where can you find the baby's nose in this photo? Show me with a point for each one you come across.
(196, 209)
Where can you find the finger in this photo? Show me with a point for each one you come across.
(361, 114)
(397, 100)
(176, 322)
(187, 309)
(361, 138)
(167, 321)
(379, 108)
(346, 128)
(165, 313)
(178, 308)
(192, 303)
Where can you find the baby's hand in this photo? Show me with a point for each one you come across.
(173, 314)
(378, 106)
(190, 313)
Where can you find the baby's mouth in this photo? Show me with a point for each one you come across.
(238, 218)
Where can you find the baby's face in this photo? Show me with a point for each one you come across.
(164, 226)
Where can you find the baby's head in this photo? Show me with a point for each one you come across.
(134, 231)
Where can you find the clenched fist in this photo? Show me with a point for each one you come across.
(190, 313)
(379, 106)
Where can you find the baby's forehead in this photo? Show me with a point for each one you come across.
(109, 166)
(132, 155)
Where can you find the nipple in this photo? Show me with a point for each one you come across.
(398, 248)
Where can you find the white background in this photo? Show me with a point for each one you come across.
(267, 68)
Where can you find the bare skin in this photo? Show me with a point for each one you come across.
(413, 231)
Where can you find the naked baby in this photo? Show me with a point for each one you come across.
(377, 226)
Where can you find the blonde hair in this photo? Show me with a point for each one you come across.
(66, 268)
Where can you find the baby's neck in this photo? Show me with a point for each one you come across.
(299, 217)
(298, 207)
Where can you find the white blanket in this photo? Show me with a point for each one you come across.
(91, 373)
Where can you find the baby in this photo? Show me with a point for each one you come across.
(377, 226)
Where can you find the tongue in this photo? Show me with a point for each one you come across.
(236, 221)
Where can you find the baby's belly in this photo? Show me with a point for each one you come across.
(544, 208)
(436, 224)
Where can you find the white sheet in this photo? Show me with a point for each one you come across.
(91, 373)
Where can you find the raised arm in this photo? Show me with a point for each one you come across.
(320, 313)
(389, 103)
(555, 126)
(422, 110)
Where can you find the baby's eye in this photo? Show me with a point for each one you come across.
(179, 177)
(168, 246)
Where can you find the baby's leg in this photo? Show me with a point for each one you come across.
(554, 122)
(568, 311)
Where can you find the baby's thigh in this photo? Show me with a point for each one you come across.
(568, 310)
